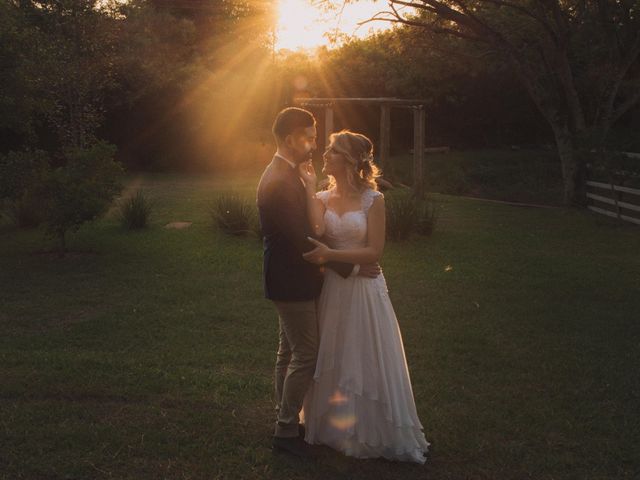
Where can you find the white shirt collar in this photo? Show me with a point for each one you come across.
(291, 164)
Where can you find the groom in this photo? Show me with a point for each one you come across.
(290, 282)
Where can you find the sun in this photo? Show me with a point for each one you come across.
(303, 25)
(299, 26)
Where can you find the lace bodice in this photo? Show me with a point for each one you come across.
(348, 230)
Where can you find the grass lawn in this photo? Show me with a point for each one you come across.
(149, 355)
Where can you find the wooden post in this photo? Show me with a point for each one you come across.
(418, 151)
(615, 195)
(328, 123)
(385, 135)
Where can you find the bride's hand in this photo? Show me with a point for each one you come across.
(308, 174)
(318, 255)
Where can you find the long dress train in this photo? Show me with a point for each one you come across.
(361, 401)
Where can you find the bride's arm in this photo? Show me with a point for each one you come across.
(369, 254)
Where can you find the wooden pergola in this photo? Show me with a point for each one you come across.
(386, 104)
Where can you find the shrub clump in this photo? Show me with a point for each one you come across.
(235, 215)
(407, 214)
(20, 176)
(135, 212)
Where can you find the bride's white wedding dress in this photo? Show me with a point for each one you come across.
(361, 401)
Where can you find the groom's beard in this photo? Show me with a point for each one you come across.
(302, 160)
(304, 156)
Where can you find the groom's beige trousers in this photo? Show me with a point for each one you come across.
(295, 362)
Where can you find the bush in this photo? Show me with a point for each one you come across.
(406, 215)
(401, 216)
(234, 215)
(20, 176)
(79, 191)
(135, 211)
(427, 217)
(24, 212)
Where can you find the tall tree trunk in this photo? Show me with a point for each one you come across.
(573, 168)
(562, 125)
(63, 244)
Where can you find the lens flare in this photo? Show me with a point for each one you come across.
(338, 398)
(342, 422)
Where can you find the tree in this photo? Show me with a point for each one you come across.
(183, 70)
(577, 59)
(24, 83)
(79, 191)
(472, 99)
(67, 61)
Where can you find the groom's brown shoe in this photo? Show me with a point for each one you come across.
(292, 445)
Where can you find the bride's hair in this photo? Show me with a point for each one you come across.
(357, 150)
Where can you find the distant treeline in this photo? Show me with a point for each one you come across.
(183, 85)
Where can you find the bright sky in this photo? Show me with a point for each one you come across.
(303, 25)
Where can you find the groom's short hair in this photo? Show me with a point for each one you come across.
(289, 120)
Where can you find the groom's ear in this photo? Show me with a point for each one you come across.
(288, 141)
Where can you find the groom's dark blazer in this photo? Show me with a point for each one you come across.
(282, 205)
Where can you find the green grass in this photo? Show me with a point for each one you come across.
(149, 354)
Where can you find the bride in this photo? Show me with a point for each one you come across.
(361, 401)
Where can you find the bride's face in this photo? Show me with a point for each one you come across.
(334, 162)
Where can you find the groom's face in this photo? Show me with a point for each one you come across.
(302, 143)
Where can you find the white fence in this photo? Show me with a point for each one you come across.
(614, 201)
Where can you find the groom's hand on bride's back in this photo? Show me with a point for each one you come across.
(370, 270)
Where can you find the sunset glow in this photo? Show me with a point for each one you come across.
(304, 25)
